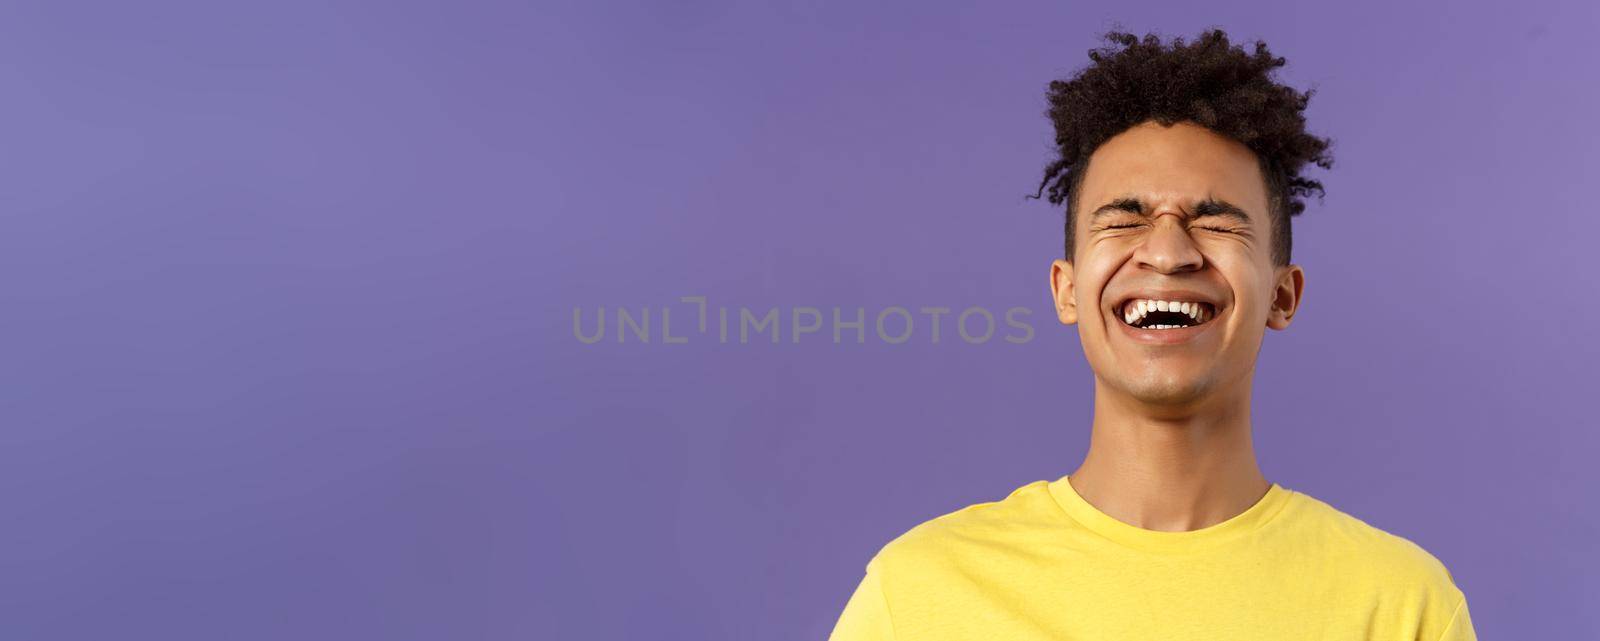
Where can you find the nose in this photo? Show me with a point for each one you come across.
(1168, 248)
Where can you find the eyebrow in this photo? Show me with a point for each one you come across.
(1207, 207)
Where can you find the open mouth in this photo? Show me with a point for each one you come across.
(1149, 314)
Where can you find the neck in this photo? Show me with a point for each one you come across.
(1168, 468)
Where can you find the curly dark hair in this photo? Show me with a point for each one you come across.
(1210, 83)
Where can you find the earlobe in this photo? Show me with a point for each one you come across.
(1061, 288)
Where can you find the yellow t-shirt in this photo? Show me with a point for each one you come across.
(1046, 564)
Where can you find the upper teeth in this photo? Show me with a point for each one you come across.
(1136, 309)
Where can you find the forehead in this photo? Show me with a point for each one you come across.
(1181, 164)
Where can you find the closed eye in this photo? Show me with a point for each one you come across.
(1216, 229)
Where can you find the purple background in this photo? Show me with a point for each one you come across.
(288, 294)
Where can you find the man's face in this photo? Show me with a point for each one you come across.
(1153, 224)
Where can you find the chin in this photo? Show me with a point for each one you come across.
(1169, 390)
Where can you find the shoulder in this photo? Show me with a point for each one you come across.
(1384, 557)
(976, 530)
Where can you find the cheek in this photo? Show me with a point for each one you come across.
(1094, 273)
(1223, 248)
(1247, 280)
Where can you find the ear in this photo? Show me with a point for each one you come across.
(1286, 296)
(1061, 287)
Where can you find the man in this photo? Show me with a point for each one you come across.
(1180, 169)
